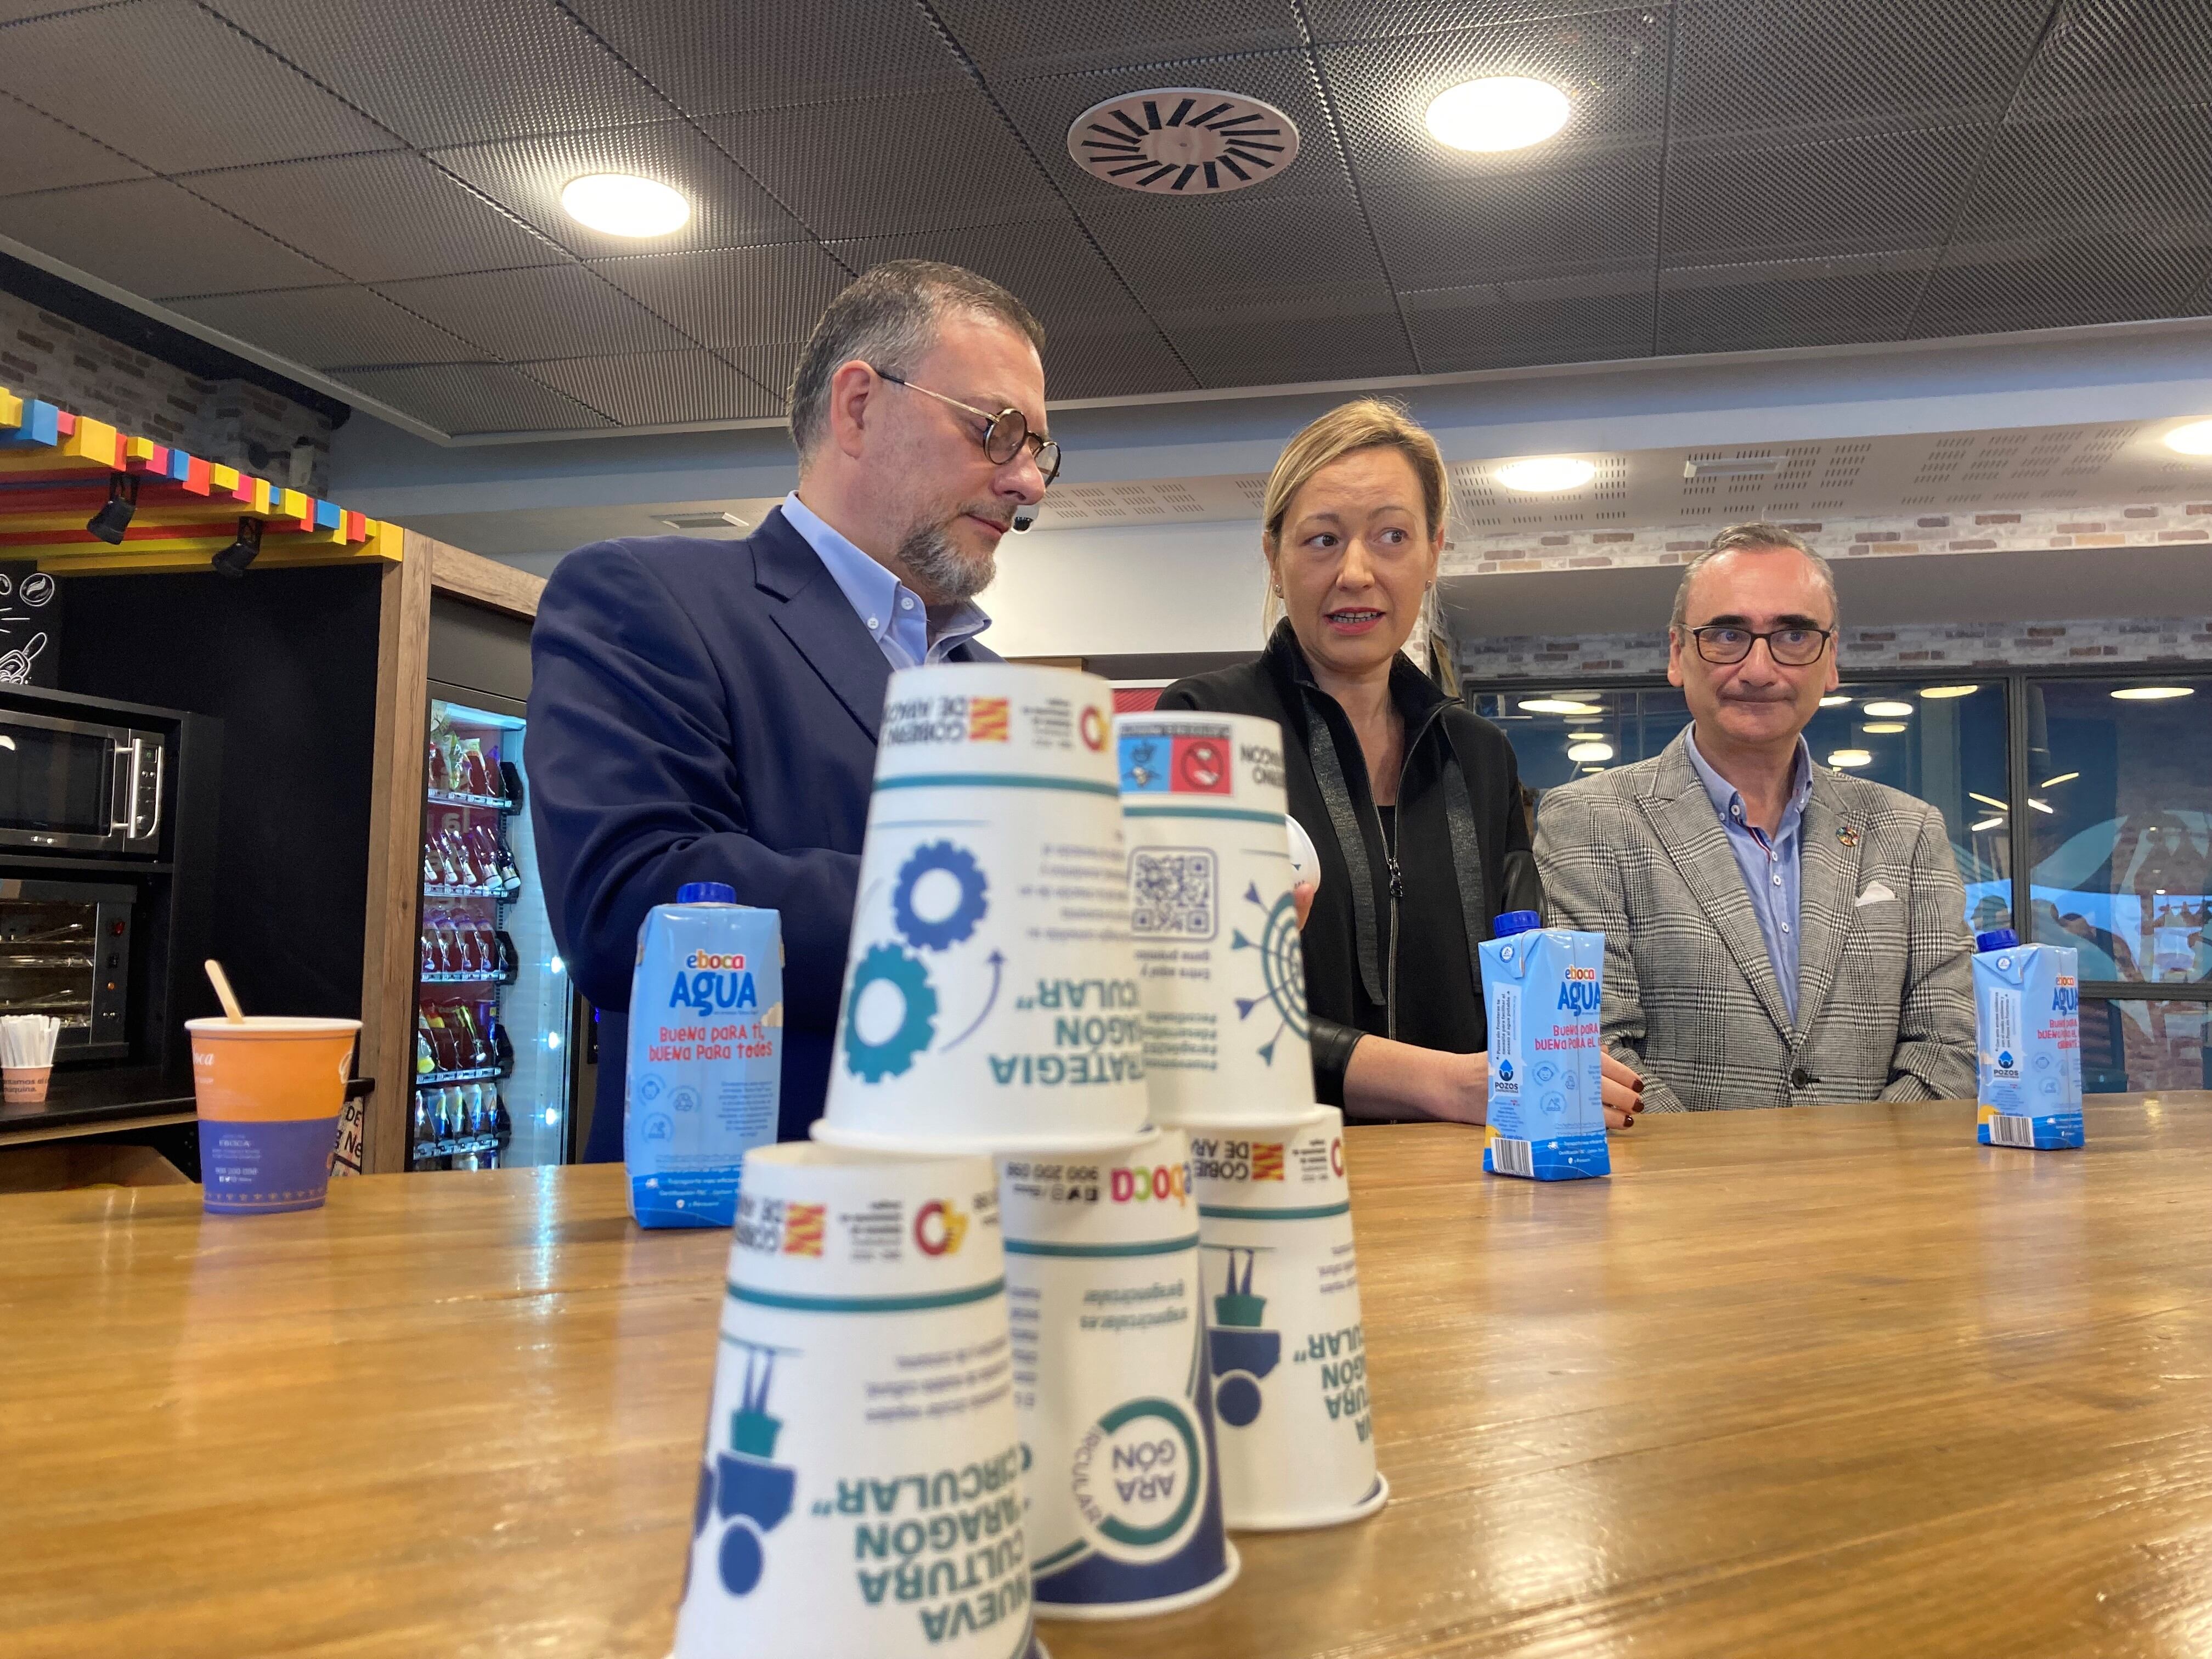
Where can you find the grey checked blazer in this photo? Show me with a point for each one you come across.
(1885, 999)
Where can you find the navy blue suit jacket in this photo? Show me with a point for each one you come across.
(704, 711)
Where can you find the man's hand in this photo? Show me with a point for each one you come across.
(1622, 1088)
(1302, 895)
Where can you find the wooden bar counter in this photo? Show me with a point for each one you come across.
(1833, 1381)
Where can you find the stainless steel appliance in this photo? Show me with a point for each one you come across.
(65, 950)
(79, 786)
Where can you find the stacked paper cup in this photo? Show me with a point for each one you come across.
(1103, 1286)
(1228, 1060)
(991, 999)
(860, 1492)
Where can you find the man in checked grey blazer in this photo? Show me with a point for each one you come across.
(1778, 934)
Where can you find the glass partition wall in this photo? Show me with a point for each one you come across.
(2079, 806)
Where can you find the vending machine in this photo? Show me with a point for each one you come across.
(493, 1083)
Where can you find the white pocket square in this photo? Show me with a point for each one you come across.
(1876, 893)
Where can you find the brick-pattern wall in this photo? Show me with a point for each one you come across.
(232, 422)
(2136, 523)
(1906, 649)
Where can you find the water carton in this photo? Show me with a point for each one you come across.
(1545, 988)
(2028, 1030)
(706, 1053)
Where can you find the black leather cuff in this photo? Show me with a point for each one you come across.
(1332, 1056)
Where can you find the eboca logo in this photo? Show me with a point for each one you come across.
(1578, 991)
(938, 1227)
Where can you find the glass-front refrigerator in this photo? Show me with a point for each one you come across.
(492, 1086)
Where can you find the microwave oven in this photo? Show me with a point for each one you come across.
(78, 785)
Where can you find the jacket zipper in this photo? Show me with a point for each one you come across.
(1390, 860)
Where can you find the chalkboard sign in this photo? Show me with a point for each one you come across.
(30, 626)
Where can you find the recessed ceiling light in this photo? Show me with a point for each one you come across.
(1942, 691)
(1883, 728)
(1988, 800)
(1987, 823)
(2194, 439)
(1499, 112)
(1542, 472)
(2063, 777)
(1835, 702)
(1559, 705)
(620, 205)
(1593, 769)
(1586, 737)
(2143, 693)
(1591, 751)
(1850, 758)
(1889, 710)
(2041, 805)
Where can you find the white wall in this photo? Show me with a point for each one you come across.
(1139, 588)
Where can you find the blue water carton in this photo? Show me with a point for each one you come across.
(706, 1055)
(2027, 1033)
(1545, 988)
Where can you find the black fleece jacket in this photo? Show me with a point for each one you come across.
(1390, 945)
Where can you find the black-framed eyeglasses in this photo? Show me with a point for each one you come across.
(1792, 648)
(1004, 433)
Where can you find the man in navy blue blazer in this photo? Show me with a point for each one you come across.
(708, 710)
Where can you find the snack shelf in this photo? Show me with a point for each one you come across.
(439, 890)
(462, 1148)
(453, 798)
(465, 979)
(438, 1080)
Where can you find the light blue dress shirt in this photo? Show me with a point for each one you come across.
(1771, 868)
(895, 616)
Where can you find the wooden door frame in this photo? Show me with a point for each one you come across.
(395, 830)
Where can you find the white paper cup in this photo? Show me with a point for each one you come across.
(1289, 1355)
(1215, 932)
(991, 1000)
(860, 1492)
(1110, 1381)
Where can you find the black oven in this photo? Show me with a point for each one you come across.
(107, 832)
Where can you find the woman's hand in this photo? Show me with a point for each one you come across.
(1622, 1088)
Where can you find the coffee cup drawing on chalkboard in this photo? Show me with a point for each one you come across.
(15, 665)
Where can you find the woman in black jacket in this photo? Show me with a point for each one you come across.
(1412, 801)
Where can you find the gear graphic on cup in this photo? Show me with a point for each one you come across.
(893, 1054)
(943, 932)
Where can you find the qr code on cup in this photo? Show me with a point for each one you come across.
(1172, 893)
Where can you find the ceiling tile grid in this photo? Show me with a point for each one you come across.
(370, 188)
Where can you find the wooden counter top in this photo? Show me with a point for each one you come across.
(1833, 1381)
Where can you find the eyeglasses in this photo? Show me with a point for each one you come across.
(1004, 433)
(1791, 647)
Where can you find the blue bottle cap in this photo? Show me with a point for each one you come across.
(706, 892)
(1519, 922)
(1997, 939)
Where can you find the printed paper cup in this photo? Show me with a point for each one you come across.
(1216, 932)
(270, 1090)
(1289, 1363)
(860, 1492)
(1110, 1381)
(991, 1000)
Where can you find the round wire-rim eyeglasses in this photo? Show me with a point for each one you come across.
(1004, 433)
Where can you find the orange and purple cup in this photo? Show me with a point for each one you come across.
(269, 1090)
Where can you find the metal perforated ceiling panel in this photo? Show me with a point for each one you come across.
(369, 189)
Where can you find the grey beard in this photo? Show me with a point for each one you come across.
(944, 576)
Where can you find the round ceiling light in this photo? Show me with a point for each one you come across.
(2140, 693)
(620, 205)
(1557, 706)
(1591, 751)
(2194, 439)
(1883, 728)
(1500, 112)
(1546, 472)
(1889, 711)
(1182, 141)
(1835, 702)
(1850, 758)
(1938, 693)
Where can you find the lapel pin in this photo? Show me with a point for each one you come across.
(1849, 836)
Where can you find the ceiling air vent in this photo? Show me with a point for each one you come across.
(1182, 141)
